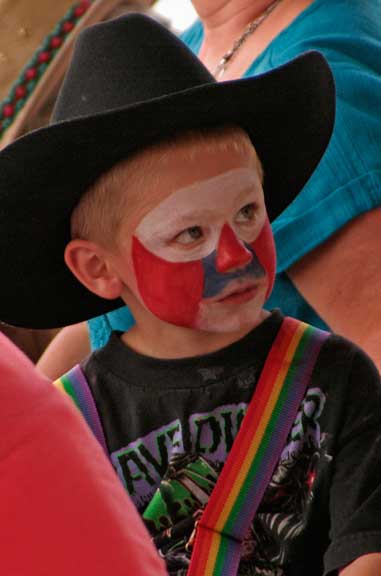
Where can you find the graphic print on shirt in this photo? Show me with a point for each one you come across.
(143, 463)
(171, 487)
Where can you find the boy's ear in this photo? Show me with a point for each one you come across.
(90, 265)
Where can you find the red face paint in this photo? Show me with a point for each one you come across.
(264, 248)
(172, 291)
(231, 253)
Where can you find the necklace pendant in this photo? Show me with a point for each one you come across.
(250, 29)
(224, 60)
(219, 71)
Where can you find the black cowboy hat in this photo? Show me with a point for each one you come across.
(131, 82)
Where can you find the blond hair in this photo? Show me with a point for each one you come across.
(100, 211)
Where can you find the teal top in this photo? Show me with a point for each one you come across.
(347, 182)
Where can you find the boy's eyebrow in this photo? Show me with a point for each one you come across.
(183, 205)
(183, 219)
(200, 213)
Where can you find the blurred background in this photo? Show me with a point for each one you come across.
(180, 13)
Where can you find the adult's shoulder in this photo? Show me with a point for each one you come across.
(347, 182)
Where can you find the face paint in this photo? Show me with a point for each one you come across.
(231, 261)
(198, 245)
(170, 290)
(231, 253)
(264, 246)
(208, 204)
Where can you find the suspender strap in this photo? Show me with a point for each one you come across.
(75, 384)
(256, 450)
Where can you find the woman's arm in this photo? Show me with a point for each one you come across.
(368, 565)
(68, 348)
(341, 280)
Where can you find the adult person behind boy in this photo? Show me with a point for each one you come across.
(63, 510)
(175, 152)
(327, 242)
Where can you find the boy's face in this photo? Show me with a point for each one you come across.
(200, 254)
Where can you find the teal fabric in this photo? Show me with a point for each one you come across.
(347, 182)
(100, 328)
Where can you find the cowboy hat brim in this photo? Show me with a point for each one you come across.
(288, 114)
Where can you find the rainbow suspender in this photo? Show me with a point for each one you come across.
(256, 450)
(74, 383)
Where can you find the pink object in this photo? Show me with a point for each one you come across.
(44, 57)
(56, 42)
(30, 74)
(63, 508)
(67, 27)
(8, 110)
(20, 92)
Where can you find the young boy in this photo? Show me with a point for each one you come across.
(151, 185)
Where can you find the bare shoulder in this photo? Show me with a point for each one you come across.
(69, 347)
(341, 280)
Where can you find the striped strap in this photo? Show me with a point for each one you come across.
(256, 450)
(74, 383)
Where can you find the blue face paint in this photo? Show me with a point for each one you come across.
(215, 282)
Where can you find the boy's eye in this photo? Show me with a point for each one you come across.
(247, 213)
(189, 235)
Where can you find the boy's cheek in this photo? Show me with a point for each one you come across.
(264, 247)
(172, 291)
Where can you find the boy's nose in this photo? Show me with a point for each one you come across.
(231, 253)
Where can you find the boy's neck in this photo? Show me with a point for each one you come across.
(166, 341)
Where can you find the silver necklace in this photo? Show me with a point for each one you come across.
(250, 28)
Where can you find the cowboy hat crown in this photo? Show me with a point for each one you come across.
(124, 63)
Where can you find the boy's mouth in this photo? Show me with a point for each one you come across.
(236, 293)
(239, 296)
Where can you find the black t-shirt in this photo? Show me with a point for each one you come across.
(169, 425)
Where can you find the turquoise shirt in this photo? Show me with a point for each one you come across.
(347, 182)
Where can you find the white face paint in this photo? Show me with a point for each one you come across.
(187, 225)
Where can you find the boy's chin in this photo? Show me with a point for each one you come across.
(223, 318)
